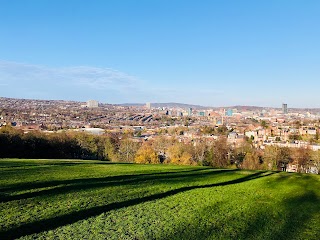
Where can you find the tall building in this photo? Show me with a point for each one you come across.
(285, 108)
(92, 104)
(189, 111)
(148, 105)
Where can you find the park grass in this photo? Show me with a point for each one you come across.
(75, 199)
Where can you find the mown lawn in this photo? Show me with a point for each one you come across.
(67, 199)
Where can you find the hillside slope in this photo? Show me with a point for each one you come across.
(91, 199)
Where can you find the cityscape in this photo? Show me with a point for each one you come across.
(282, 127)
(159, 120)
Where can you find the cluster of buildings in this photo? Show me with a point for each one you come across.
(293, 128)
(263, 126)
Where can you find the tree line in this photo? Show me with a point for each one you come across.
(220, 154)
(123, 148)
(74, 145)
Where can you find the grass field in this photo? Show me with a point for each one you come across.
(65, 199)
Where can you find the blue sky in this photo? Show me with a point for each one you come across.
(213, 53)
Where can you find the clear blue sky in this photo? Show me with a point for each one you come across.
(213, 53)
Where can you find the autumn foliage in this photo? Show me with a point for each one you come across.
(160, 149)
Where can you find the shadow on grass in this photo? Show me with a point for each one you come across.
(300, 210)
(22, 163)
(35, 185)
(61, 187)
(292, 224)
(52, 223)
(297, 209)
(295, 217)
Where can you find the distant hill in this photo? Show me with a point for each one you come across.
(168, 105)
(184, 105)
(239, 107)
(247, 108)
(160, 105)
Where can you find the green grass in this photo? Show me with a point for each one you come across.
(68, 199)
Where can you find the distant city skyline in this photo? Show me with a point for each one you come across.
(209, 53)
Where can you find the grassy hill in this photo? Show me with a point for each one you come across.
(67, 199)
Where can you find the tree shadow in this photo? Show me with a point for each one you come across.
(35, 185)
(60, 187)
(291, 218)
(56, 183)
(297, 209)
(58, 221)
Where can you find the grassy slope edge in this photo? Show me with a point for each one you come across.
(97, 200)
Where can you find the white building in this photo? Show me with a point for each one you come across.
(253, 134)
(92, 104)
(94, 131)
